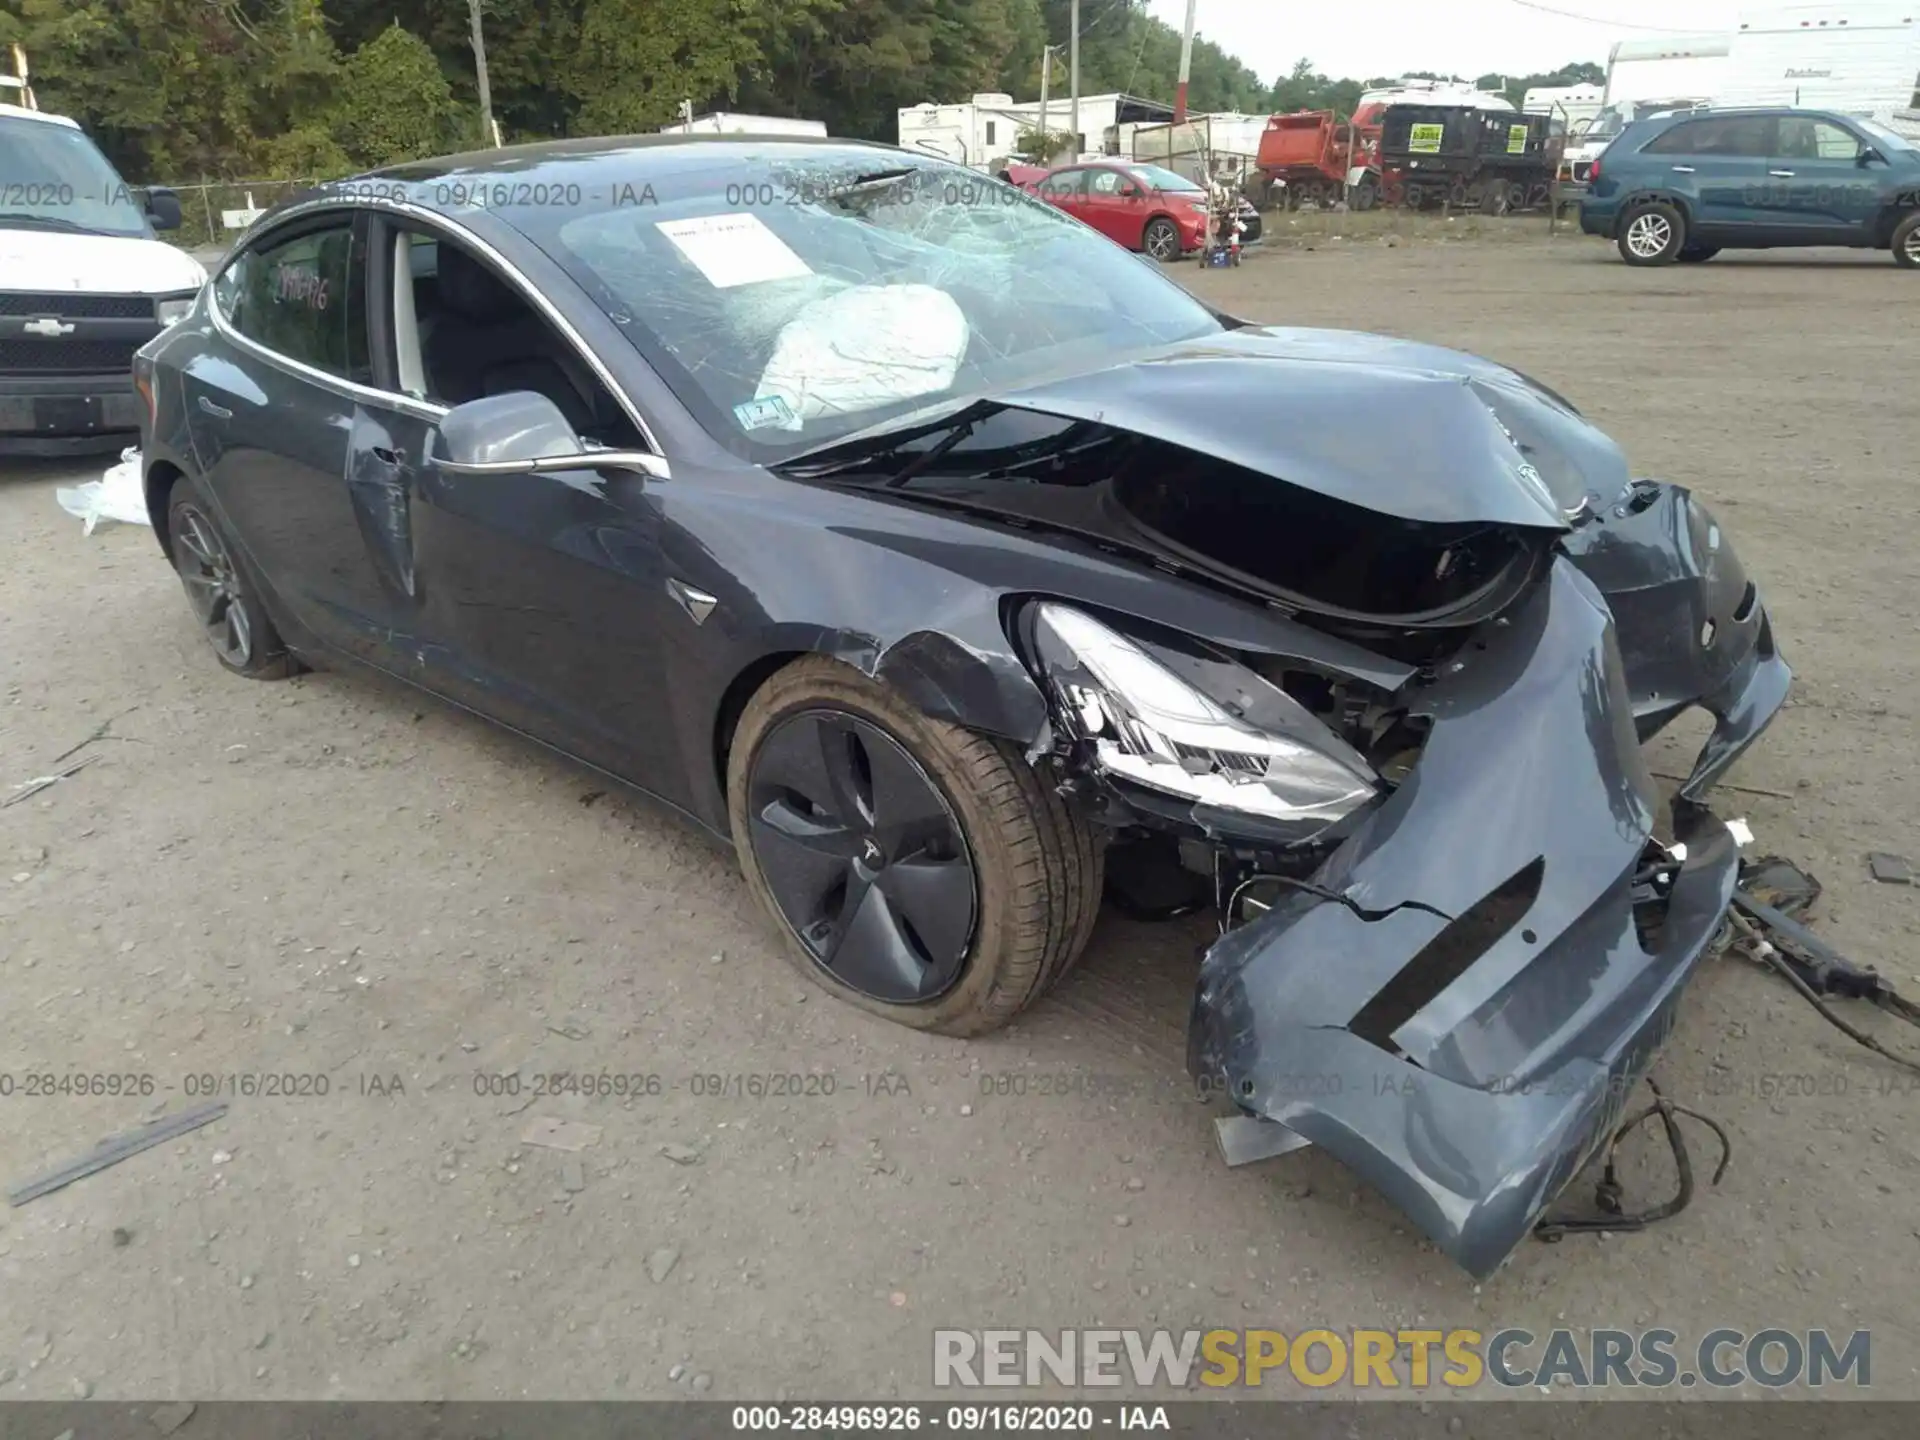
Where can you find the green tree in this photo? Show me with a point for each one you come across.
(394, 103)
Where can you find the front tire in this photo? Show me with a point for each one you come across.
(1161, 239)
(916, 869)
(1906, 242)
(232, 619)
(1652, 232)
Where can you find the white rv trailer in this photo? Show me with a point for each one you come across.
(1857, 57)
(1574, 106)
(1645, 77)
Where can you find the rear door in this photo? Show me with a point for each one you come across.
(271, 412)
(1109, 207)
(1719, 165)
(1066, 189)
(1822, 192)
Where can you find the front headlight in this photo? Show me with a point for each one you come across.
(1256, 750)
(173, 309)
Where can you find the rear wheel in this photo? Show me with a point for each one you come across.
(1365, 194)
(918, 870)
(1161, 239)
(1906, 242)
(1652, 232)
(231, 617)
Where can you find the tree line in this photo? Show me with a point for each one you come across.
(174, 89)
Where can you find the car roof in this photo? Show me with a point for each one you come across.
(564, 160)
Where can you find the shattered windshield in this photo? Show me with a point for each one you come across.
(53, 178)
(790, 302)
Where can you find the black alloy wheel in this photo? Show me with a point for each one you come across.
(918, 870)
(230, 615)
(864, 856)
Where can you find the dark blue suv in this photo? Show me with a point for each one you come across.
(1686, 186)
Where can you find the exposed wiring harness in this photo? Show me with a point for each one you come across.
(1608, 1194)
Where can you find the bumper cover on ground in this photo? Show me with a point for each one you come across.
(1463, 1025)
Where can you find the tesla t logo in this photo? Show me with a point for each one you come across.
(48, 327)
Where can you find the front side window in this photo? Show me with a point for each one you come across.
(1802, 138)
(301, 298)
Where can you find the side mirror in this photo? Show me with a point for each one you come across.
(1870, 156)
(524, 433)
(163, 208)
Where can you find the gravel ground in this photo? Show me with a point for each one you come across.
(331, 878)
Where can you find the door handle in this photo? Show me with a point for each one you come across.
(1781, 174)
(1683, 170)
(219, 412)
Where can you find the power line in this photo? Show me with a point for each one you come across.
(1594, 20)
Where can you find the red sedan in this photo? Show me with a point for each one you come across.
(1143, 207)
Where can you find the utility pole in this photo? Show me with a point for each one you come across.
(1073, 76)
(1186, 66)
(489, 132)
(1047, 52)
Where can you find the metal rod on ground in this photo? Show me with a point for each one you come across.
(480, 74)
(1073, 76)
(1186, 66)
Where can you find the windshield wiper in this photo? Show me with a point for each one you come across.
(863, 452)
(51, 222)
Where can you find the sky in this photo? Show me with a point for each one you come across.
(1465, 37)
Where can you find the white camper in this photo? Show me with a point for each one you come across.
(1644, 78)
(1572, 106)
(1860, 58)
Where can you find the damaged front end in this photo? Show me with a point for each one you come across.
(1452, 942)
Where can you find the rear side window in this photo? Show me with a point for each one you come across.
(1104, 182)
(1067, 182)
(1730, 135)
(301, 298)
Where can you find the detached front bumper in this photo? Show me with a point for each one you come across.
(1463, 1024)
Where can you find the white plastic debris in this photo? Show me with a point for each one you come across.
(116, 495)
(1742, 833)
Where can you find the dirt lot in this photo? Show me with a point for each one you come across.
(330, 878)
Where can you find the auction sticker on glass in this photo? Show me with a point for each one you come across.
(734, 250)
(1516, 139)
(1425, 139)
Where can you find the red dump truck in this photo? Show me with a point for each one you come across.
(1318, 154)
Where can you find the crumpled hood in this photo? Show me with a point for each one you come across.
(48, 260)
(1400, 428)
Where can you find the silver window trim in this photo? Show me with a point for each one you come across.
(432, 219)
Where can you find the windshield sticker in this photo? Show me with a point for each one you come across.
(734, 250)
(1425, 139)
(768, 412)
(1516, 139)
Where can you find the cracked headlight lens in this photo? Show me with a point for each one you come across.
(1149, 725)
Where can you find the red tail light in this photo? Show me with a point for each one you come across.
(1593, 171)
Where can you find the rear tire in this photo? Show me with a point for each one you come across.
(1035, 870)
(1652, 232)
(1906, 242)
(1697, 254)
(232, 620)
(1365, 194)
